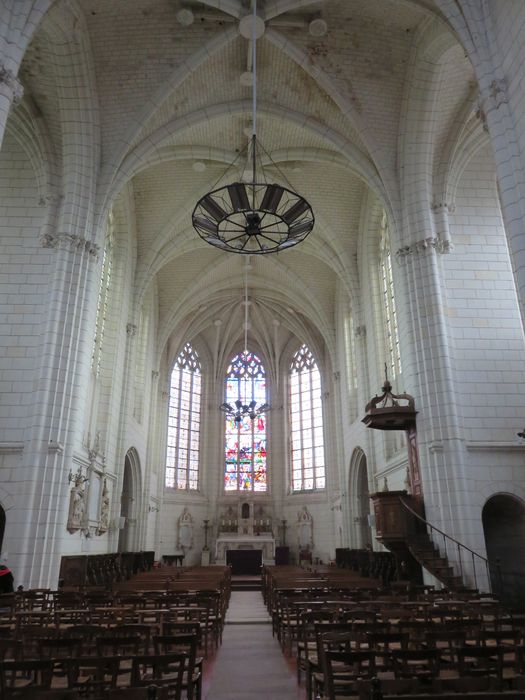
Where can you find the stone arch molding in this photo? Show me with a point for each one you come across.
(143, 155)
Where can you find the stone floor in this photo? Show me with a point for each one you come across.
(250, 664)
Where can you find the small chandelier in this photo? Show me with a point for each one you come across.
(253, 217)
(250, 410)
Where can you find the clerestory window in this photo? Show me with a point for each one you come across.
(306, 423)
(182, 456)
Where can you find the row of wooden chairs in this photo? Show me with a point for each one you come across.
(174, 663)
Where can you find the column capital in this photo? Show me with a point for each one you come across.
(442, 206)
(9, 79)
(70, 241)
(425, 245)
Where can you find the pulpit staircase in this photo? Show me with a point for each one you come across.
(402, 528)
(426, 553)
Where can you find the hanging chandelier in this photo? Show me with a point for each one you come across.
(253, 217)
(241, 411)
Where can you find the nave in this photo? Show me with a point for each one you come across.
(313, 633)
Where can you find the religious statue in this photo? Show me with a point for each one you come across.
(77, 505)
(104, 511)
(305, 529)
(185, 530)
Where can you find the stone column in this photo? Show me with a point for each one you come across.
(57, 418)
(429, 374)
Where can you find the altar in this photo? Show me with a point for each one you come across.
(233, 541)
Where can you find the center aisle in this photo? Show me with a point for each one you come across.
(250, 664)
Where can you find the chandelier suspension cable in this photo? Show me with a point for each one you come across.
(257, 217)
(254, 100)
(246, 306)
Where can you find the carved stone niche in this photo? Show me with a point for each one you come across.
(103, 523)
(185, 531)
(77, 506)
(305, 530)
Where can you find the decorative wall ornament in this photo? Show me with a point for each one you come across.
(360, 332)
(185, 531)
(131, 330)
(448, 207)
(73, 242)
(9, 79)
(103, 525)
(77, 504)
(423, 246)
(498, 93)
(305, 529)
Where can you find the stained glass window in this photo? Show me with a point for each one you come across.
(245, 439)
(306, 423)
(182, 456)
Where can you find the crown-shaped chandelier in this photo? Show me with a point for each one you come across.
(252, 216)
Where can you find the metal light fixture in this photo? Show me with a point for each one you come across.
(254, 217)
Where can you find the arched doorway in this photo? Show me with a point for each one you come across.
(360, 498)
(130, 503)
(503, 519)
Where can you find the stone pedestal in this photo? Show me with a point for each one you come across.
(205, 557)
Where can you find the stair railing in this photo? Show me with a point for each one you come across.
(470, 553)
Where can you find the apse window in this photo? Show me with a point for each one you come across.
(306, 423)
(245, 431)
(182, 456)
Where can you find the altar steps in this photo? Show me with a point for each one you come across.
(246, 583)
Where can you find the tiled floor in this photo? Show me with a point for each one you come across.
(250, 664)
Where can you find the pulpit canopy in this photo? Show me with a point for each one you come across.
(390, 411)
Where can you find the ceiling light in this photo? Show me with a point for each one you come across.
(250, 215)
(199, 166)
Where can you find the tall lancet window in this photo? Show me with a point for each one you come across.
(389, 303)
(182, 457)
(245, 437)
(103, 296)
(306, 422)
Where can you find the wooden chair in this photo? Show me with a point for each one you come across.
(184, 644)
(88, 634)
(166, 670)
(21, 674)
(480, 660)
(415, 663)
(133, 630)
(342, 671)
(94, 674)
